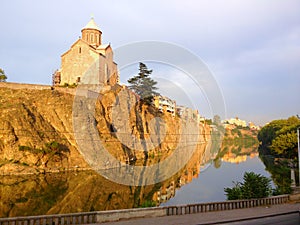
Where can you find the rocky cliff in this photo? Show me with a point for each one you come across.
(37, 130)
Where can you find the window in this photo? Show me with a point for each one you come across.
(97, 38)
(78, 80)
(105, 70)
(79, 50)
(92, 38)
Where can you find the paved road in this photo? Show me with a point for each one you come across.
(290, 219)
(223, 217)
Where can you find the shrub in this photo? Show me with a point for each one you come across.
(254, 186)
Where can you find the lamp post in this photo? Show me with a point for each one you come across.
(298, 154)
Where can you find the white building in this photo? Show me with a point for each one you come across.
(235, 121)
(165, 104)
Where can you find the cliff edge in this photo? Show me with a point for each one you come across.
(37, 135)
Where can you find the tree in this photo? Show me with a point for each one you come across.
(3, 77)
(285, 144)
(254, 186)
(143, 85)
(279, 137)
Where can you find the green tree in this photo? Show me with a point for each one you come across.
(143, 85)
(3, 77)
(285, 144)
(254, 186)
(279, 137)
(235, 192)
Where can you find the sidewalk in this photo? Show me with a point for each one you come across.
(213, 217)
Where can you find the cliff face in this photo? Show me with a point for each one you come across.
(33, 119)
(37, 135)
(37, 132)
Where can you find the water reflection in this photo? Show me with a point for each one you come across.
(210, 184)
(88, 191)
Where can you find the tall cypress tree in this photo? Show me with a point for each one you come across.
(143, 85)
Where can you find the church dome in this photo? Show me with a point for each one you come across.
(92, 25)
(91, 33)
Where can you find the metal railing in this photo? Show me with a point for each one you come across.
(227, 205)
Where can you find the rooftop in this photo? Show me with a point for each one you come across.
(92, 25)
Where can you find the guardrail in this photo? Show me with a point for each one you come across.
(114, 215)
(227, 205)
(59, 219)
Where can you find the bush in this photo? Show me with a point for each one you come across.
(254, 186)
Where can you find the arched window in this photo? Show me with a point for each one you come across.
(97, 38)
(105, 70)
(92, 38)
(79, 50)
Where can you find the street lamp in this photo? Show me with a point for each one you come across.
(298, 153)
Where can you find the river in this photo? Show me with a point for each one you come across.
(209, 185)
(203, 179)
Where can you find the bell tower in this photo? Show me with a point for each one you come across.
(91, 33)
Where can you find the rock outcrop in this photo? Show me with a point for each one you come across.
(37, 132)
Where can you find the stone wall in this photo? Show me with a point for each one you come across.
(13, 85)
(76, 62)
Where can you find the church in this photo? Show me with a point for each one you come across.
(88, 61)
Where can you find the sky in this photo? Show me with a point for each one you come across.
(252, 47)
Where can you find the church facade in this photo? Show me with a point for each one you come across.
(88, 61)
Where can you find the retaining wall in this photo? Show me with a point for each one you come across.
(114, 215)
(89, 91)
(25, 86)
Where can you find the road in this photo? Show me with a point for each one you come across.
(290, 219)
(271, 215)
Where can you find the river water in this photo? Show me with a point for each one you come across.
(209, 185)
(203, 179)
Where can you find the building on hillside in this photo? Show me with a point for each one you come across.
(189, 114)
(165, 104)
(253, 126)
(88, 61)
(235, 121)
(185, 112)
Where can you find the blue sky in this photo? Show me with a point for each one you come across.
(252, 46)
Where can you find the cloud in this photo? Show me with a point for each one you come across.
(252, 46)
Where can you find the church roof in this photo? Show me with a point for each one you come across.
(105, 46)
(92, 25)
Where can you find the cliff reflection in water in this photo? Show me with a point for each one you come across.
(88, 191)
